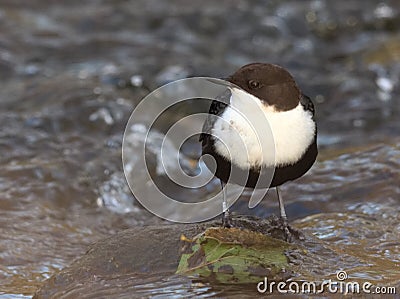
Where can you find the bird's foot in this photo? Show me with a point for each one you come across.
(290, 233)
(226, 219)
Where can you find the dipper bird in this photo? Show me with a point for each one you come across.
(282, 109)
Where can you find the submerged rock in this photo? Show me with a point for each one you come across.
(142, 250)
(143, 260)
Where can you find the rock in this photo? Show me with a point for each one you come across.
(144, 250)
(142, 261)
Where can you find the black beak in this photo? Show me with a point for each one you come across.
(222, 82)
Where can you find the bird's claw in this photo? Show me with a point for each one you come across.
(290, 233)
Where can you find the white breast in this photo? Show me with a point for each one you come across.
(249, 133)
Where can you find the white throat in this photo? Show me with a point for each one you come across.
(250, 134)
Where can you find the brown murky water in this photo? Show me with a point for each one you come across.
(71, 74)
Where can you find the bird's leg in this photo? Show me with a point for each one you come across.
(226, 220)
(283, 217)
(281, 206)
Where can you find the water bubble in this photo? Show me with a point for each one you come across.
(102, 114)
(115, 195)
(31, 69)
(136, 80)
(97, 90)
(109, 69)
(384, 11)
(386, 87)
(358, 123)
(83, 74)
(385, 84)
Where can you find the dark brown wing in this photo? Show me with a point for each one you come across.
(307, 104)
(216, 108)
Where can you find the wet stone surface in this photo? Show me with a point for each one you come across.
(156, 250)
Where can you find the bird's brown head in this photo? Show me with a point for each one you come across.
(270, 83)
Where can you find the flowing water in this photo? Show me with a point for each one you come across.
(71, 74)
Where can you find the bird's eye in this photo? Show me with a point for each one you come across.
(253, 84)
